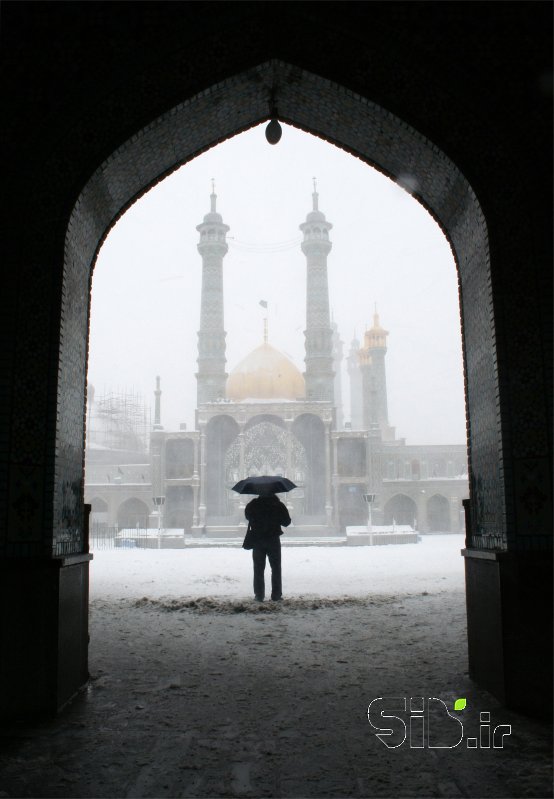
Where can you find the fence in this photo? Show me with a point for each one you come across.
(101, 536)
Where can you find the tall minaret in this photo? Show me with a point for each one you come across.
(374, 381)
(337, 368)
(353, 366)
(212, 247)
(319, 336)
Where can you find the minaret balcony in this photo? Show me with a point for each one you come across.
(213, 247)
(316, 247)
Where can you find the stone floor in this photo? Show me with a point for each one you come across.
(225, 699)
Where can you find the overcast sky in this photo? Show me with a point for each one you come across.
(386, 250)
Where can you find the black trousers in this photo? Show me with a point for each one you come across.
(270, 547)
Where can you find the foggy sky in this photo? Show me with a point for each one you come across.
(386, 250)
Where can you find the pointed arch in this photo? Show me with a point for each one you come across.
(359, 126)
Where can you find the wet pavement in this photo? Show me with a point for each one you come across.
(220, 698)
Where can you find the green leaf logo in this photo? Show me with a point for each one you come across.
(460, 704)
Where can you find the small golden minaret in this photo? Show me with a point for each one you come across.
(371, 358)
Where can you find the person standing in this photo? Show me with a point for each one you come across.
(267, 514)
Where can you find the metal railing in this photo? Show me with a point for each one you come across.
(102, 537)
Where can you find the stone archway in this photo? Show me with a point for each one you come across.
(266, 448)
(400, 509)
(438, 514)
(68, 112)
(370, 133)
(362, 128)
(99, 513)
(132, 513)
(98, 505)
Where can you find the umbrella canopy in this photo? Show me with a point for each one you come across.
(263, 484)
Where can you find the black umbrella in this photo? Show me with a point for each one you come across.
(263, 485)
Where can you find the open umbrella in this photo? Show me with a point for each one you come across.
(263, 485)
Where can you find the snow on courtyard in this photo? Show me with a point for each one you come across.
(197, 691)
(312, 571)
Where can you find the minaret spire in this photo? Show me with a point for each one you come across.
(213, 198)
(211, 375)
(319, 336)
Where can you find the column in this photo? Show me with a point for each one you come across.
(195, 485)
(202, 505)
(335, 483)
(242, 475)
(454, 515)
(421, 504)
(328, 502)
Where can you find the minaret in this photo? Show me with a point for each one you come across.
(374, 381)
(212, 247)
(355, 375)
(157, 406)
(337, 368)
(319, 336)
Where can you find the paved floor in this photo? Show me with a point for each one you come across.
(215, 699)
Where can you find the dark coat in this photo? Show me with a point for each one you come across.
(266, 516)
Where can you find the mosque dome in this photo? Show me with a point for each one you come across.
(265, 374)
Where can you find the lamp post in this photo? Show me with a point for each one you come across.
(159, 502)
(369, 499)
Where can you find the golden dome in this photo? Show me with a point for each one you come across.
(265, 374)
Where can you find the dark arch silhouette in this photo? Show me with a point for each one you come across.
(360, 127)
(69, 117)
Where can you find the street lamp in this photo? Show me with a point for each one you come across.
(369, 499)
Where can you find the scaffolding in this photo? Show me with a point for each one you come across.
(119, 420)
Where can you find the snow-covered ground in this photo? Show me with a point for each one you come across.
(315, 571)
(198, 692)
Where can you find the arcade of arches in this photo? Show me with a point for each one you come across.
(405, 87)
